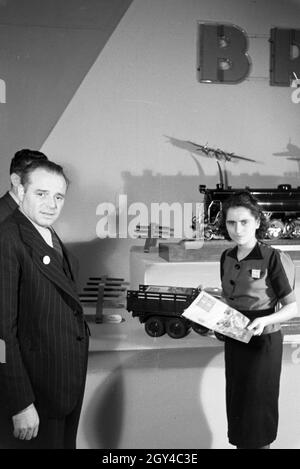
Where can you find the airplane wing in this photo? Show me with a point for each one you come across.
(198, 147)
(208, 151)
(244, 158)
(186, 145)
(283, 153)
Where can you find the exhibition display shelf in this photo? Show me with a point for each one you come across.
(212, 250)
(130, 335)
(151, 269)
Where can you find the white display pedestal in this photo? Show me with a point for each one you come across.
(150, 269)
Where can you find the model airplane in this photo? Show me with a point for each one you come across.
(219, 154)
(210, 152)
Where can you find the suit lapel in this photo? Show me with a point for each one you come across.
(45, 257)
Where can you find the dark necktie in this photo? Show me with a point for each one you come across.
(56, 244)
(57, 247)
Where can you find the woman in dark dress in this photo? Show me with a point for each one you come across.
(257, 280)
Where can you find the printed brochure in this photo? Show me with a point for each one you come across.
(218, 316)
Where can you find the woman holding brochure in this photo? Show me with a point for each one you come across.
(258, 281)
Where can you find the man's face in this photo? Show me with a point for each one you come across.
(43, 197)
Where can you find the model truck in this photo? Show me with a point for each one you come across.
(160, 309)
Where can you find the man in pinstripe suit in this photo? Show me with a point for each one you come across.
(9, 201)
(41, 320)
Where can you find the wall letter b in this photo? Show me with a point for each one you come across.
(222, 54)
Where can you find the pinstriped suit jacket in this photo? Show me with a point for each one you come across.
(7, 206)
(41, 322)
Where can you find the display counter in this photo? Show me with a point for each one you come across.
(130, 335)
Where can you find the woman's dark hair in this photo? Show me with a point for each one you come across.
(244, 199)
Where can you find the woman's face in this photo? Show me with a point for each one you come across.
(241, 226)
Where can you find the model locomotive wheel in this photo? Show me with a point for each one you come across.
(176, 328)
(293, 229)
(208, 234)
(155, 327)
(219, 336)
(199, 329)
(276, 229)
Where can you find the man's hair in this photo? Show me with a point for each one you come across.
(247, 200)
(47, 165)
(23, 158)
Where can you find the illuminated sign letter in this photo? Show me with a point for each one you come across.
(285, 57)
(222, 53)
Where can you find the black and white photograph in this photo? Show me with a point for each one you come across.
(149, 158)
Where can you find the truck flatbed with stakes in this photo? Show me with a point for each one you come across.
(160, 308)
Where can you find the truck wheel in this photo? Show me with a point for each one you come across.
(176, 328)
(199, 329)
(154, 326)
(219, 336)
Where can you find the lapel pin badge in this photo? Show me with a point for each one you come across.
(46, 260)
(255, 273)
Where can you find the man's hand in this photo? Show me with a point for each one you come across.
(26, 423)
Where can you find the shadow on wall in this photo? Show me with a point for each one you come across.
(291, 152)
(100, 257)
(181, 188)
(149, 399)
(104, 418)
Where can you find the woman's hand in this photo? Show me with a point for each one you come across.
(257, 325)
(285, 313)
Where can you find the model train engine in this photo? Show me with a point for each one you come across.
(281, 207)
(160, 308)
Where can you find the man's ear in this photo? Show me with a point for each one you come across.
(20, 192)
(15, 180)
